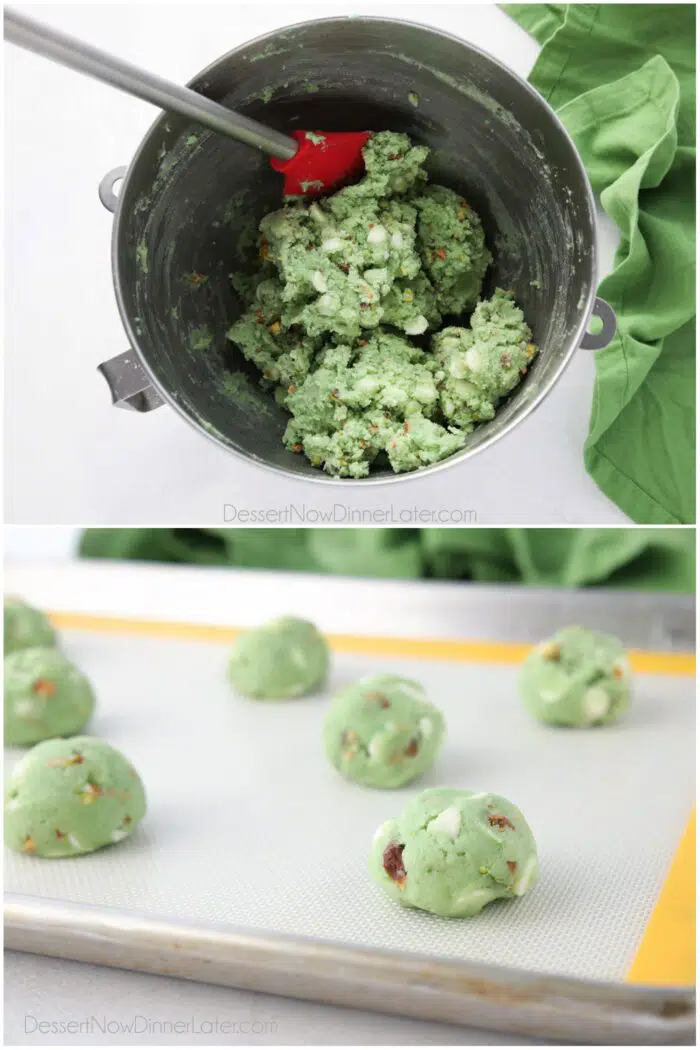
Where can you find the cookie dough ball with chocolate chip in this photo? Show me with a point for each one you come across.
(285, 658)
(382, 731)
(25, 627)
(45, 696)
(577, 678)
(67, 797)
(453, 852)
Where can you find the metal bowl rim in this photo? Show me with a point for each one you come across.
(456, 457)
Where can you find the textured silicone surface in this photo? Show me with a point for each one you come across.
(249, 825)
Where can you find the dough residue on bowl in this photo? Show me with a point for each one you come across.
(365, 319)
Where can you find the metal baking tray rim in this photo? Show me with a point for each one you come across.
(409, 984)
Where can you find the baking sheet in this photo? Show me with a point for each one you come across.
(249, 826)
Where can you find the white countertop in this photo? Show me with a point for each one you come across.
(119, 1008)
(70, 456)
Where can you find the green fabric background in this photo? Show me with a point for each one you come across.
(622, 79)
(649, 559)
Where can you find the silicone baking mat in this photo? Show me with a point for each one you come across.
(249, 825)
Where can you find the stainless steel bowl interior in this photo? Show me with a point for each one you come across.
(191, 202)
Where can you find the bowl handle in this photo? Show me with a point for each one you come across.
(601, 339)
(128, 383)
(106, 188)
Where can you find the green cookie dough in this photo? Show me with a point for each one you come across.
(577, 678)
(483, 363)
(382, 732)
(453, 852)
(67, 797)
(45, 696)
(25, 627)
(350, 288)
(358, 405)
(280, 660)
(452, 248)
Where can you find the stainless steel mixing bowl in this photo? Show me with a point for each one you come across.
(191, 200)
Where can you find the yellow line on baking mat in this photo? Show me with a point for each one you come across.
(666, 954)
(420, 648)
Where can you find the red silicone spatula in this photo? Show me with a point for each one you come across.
(323, 159)
(311, 162)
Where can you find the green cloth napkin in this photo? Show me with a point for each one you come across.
(622, 79)
(648, 559)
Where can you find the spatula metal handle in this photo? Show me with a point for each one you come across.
(83, 58)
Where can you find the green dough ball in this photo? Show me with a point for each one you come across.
(67, 797)
(578, 678)
(453, 852)
(382, 732)
(45, 696)
(25, 627)
(283, 659)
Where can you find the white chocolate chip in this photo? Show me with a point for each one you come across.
(319, 281)
(374, 748)
(381, 830)
(623, 666)
(549, 696)
(375, 276)
(596, 703)
(396, 240)
(458, 368)
(527, 877)
(367, 385)
(376, 235)
(74, 841)
(333, 244)
(298, 657)
(417, 326)
(118, 834)
(411, 689)
(26, 709)
(327, 304)
(425, 393)
(469, 896)
(449, 822)
(473, 359)
(426, 727)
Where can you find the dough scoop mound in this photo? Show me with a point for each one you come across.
(453, 852)
(577, 678)
(68, 797)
